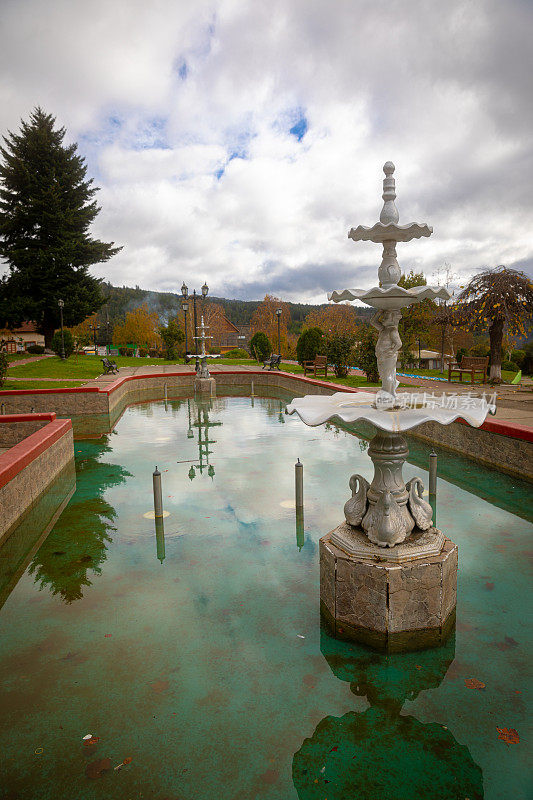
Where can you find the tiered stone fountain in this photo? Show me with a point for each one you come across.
(204, 383)
(388, 577)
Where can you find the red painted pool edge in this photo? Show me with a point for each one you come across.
(510, 429)
(20, 455)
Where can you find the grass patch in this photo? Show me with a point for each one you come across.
(78, 367)
(354, 381)
(8, 385)
(20, 356)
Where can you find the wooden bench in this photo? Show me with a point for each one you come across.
(109, 366)
(471, 365)
(319, 362)
(273, 362)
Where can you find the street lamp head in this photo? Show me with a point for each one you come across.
(185, 290)
(60, 303)
(185, 305)
(205, 289)
(279, 312)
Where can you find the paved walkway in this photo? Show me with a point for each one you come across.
(24, 361)
(513, 403)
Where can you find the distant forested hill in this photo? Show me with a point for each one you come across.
(121, 299)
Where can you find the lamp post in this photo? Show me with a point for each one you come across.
(185, 307)
(278, 315)
(61, 303)
(185, 294)
(94, 328)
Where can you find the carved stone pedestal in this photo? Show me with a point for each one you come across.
(205, 386)
(391, 601)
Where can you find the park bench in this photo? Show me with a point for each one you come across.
(319, 362)
(273, 362)
(109, 366)
(471, 365)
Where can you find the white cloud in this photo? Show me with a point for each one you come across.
(184, 110)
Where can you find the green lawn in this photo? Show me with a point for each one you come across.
(351, 380)
(77, 367)
(19, 356)
(83, 368)
(8, 385)
(507, 376)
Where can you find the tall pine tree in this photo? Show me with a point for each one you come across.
(46, 208)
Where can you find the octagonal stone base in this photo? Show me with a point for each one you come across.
(205, 386)
(391, 606)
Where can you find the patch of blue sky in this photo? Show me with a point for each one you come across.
(292, 121)
(181, 67)
(300, 127)
(151, 135)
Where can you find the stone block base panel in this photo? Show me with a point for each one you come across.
(390, 606)
(205, 386)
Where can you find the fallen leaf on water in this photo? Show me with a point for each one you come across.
(508, 735)
(489, 586)
(334, 749)
(159, 686)
(473, 683)
(418, 666)
(95, 768)
(507, 643)
(107, 635)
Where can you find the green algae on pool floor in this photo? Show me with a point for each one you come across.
(195, 647)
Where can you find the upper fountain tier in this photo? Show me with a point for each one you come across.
(388, 295)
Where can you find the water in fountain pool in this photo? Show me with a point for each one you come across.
(200, 655)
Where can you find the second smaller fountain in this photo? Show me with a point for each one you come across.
(204, 383)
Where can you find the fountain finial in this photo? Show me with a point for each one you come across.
(389, 212)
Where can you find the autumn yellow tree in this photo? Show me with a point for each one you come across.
(265, 319)
(139, 327)
(335, 320)
(500, 301)
(83, 334)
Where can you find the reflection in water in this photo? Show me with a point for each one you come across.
(203, 423)
(380, 753)
(78, 542)
(160, 538)
(19, 548)
(300, 535)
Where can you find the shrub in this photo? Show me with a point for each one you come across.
(338, 353)
(143, 352)
(309, 345)
(510, 366)
(123, 351)
(518, 356)
(4, 363)
(172, 336)
(237, 352)
(527, 364)
(35, 349)
(68, 340)
(367, 360)
(260, 346)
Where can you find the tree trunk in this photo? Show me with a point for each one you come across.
(48, 334)
(496, 339)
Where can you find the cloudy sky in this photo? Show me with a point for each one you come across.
(237, 141)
